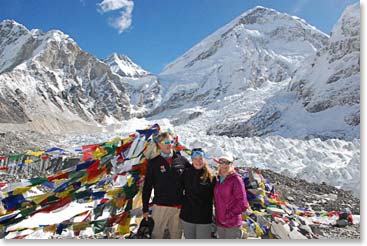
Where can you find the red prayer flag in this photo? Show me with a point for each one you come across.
(123, 147)
(60, 203)
(58, 176)
(87, 151)
(20, 237)
(2, 184)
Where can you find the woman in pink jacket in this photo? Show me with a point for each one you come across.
(230, 200)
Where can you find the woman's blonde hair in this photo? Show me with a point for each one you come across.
(208, 173)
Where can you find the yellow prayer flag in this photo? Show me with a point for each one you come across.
(79, 226)
(130, 181)
(84, 179)
(98, 153)
(39, 198)
(38, 153)
(20, 190)
(273, 201)
(2, 210)
(64, 193)
(28, 161)
(259, 232)
(244, 233)
(245, 217)
(124, 227)
(50, 228)
(114, 192)
(119, 202)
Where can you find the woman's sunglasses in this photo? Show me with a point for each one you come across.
(225, 162)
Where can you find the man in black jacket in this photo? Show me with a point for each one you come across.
(163, 175)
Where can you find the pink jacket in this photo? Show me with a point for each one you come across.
(230, 201)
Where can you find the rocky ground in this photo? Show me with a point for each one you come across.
(21, 141)
(318, 197)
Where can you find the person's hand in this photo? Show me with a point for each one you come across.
(146, 215)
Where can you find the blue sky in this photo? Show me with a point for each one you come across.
(153, 32)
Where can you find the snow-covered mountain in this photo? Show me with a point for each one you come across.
(260, 45)
(124, 66)
(322, 99)
(144, 93)
(49, 83)
(143, 88)
(332, 76)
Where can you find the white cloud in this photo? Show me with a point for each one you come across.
(122, 22)
(298, 6)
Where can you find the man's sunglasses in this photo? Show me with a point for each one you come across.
(166, 142)
(225, 162)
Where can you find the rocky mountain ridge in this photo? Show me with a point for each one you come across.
(47, 82)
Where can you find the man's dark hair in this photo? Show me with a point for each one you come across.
(162, 136)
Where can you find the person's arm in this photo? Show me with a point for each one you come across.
(240, 199)
(147, 188)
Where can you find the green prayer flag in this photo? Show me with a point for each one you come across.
(98, 210)
(28, 211)
(76, 175)
(129, 205)
(82, 194)
(15, 157)
(99, 226)
(131, 191)
(14, 221)
(37, 181)
(51, 199)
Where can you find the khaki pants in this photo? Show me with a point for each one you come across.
(166, 217)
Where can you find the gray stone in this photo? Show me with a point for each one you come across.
(271, 210)
(341, 223)
(289, 198)
(280, 231)
(294, 234)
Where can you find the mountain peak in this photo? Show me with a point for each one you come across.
(7, 26)
(124, 66)
(264, 16)
(259, 10)
(256, 39)
(10, 22)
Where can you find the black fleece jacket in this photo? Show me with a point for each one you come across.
(165, 179)
(197, 205)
